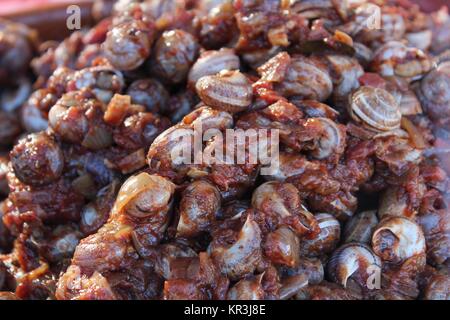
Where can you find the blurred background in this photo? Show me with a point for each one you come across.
(47, 16)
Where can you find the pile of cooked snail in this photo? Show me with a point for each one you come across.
(95, 206)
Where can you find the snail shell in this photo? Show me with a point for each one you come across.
(37, 159)
(144, 195)
(247, 289)
(280, 203)
(375, 108)
(352, 260)
(267, 197)
(58, 118)
(292, 285)
(311, 267)
(393, 26)
(282, 247)
(434, 92)
(128, 44)
(397, 239)
(242, 257)
(314, 109)
(233, 208)
(307, 78)
(212, 62)
(198, 206)
(164, 153)
(409, 104)
(396, 59)
(229, 90)
(332, 140)
(328, 238)
(345, 72)
(394, 202)
(104, 81)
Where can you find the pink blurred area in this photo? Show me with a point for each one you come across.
(432, 5)
(9, 6)
(48, 17)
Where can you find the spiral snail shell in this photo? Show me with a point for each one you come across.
(375, 108)
(327, 239)
(397, 239)
(332, 140)
(143, 195)
(352, 260)
(241, 257)
(229, 90)
(213, 62)
(435, 92)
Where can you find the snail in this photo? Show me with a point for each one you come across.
(140, 215)
(233, 209)
(307, 78)
(434, 92)
(34, 112)
(394, 201)
(173, 54)
(436, 226)
(363, 53)
(282, 246)
(96, 213)
(169, 255)
(144, 195)
(396, 239)
(170, 153)
(312, 268)
(247, 289)
(315, 109)
(128, 44)
(279, 203)
(212, 62)
(95, 285)
(328, 238)
(292, 285)
(331, 142)
(345, 72)
(375, 108)
(396, 59)
(229, 91)
(243, 255)
(352, 260)
(103, 81)
(150, 93)
(76, 119)
(198, 206)
(420, 39)
(37, 159)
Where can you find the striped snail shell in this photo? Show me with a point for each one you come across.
(375, 108)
